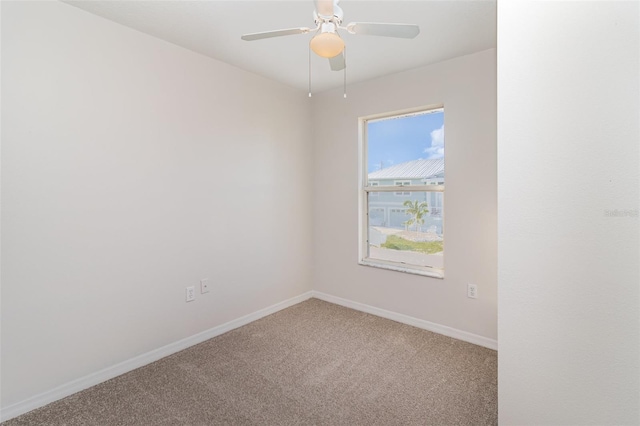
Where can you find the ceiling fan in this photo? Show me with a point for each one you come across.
(327, 43)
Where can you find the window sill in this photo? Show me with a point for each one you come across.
(426, 272)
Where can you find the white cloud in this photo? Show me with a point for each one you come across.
(436, 150)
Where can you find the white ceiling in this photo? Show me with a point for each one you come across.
(447, 29)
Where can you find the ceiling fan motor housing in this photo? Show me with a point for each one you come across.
(336, 18)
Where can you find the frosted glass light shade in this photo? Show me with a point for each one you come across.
(327, 44)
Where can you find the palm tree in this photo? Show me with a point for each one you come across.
(416, 210)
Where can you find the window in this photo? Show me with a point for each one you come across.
(402, 183)
(373, 194)
(403, 230)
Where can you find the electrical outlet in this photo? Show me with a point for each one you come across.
(191, 294)
(472, 291)
(204, 285)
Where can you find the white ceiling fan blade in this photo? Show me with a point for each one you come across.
(337, 62)
(384, 30)
(276, 33)
(324, 8)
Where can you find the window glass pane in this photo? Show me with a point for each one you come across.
(406, 150)
(406, 229)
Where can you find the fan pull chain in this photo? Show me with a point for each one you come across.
(309, 70)
(345, 71)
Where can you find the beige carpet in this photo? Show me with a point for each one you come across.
(315, 363)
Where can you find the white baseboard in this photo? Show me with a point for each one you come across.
(93, 379)
(405, 319)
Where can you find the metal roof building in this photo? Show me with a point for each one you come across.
(411, 169)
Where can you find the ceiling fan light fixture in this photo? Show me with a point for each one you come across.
(327, 44)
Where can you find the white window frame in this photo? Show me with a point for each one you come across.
(402, 183)
(365, 189)
(374, 194)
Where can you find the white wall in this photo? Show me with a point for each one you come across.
(467, 88)
(131, 168)
(568, 150)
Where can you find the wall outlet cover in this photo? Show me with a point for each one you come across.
(204, 285)
(472, 291)
(191, 293)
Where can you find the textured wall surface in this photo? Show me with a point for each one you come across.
(568, 158)
(131, 169)
(467, 88)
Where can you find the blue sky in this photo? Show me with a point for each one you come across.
(409, 138)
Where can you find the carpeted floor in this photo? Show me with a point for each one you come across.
(314, 363)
